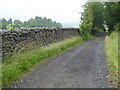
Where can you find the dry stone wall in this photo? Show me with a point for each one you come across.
(14, 40)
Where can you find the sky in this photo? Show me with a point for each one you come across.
(63, 11)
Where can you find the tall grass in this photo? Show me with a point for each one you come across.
(111, 47)
(20, 63)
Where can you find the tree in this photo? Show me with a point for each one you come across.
(0, 20)
(32, 23)
(25, 24)
(117, 27)
(37, 17)
(42, 22)
(9, 21)
(18, 24)
(110, 14)
(4, 21)
(92, 18)
(4, 24)
(96, 15)
(0, 25)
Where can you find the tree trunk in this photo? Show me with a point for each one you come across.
(93, 30)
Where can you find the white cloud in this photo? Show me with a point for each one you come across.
(58, 10)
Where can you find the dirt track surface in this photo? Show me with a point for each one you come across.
(83, 66)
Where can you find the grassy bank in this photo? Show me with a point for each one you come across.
(111, 47)
(20, 63)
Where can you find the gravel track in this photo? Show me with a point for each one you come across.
(83, 66)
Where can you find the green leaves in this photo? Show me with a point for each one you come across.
(112, 15)
(110, 11)
(92, 19)
(99, 15)
(42, 22)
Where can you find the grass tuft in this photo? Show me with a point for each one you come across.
(87, 47)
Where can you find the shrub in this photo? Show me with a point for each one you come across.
(85, 30)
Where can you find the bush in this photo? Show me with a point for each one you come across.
(85, 30)
(117, 27)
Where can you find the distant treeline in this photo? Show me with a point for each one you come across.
(32, 23)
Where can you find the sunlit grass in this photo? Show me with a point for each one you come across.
(111, 47)
(20, 63)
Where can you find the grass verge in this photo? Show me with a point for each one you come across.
(20, 63)
(111, 47)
